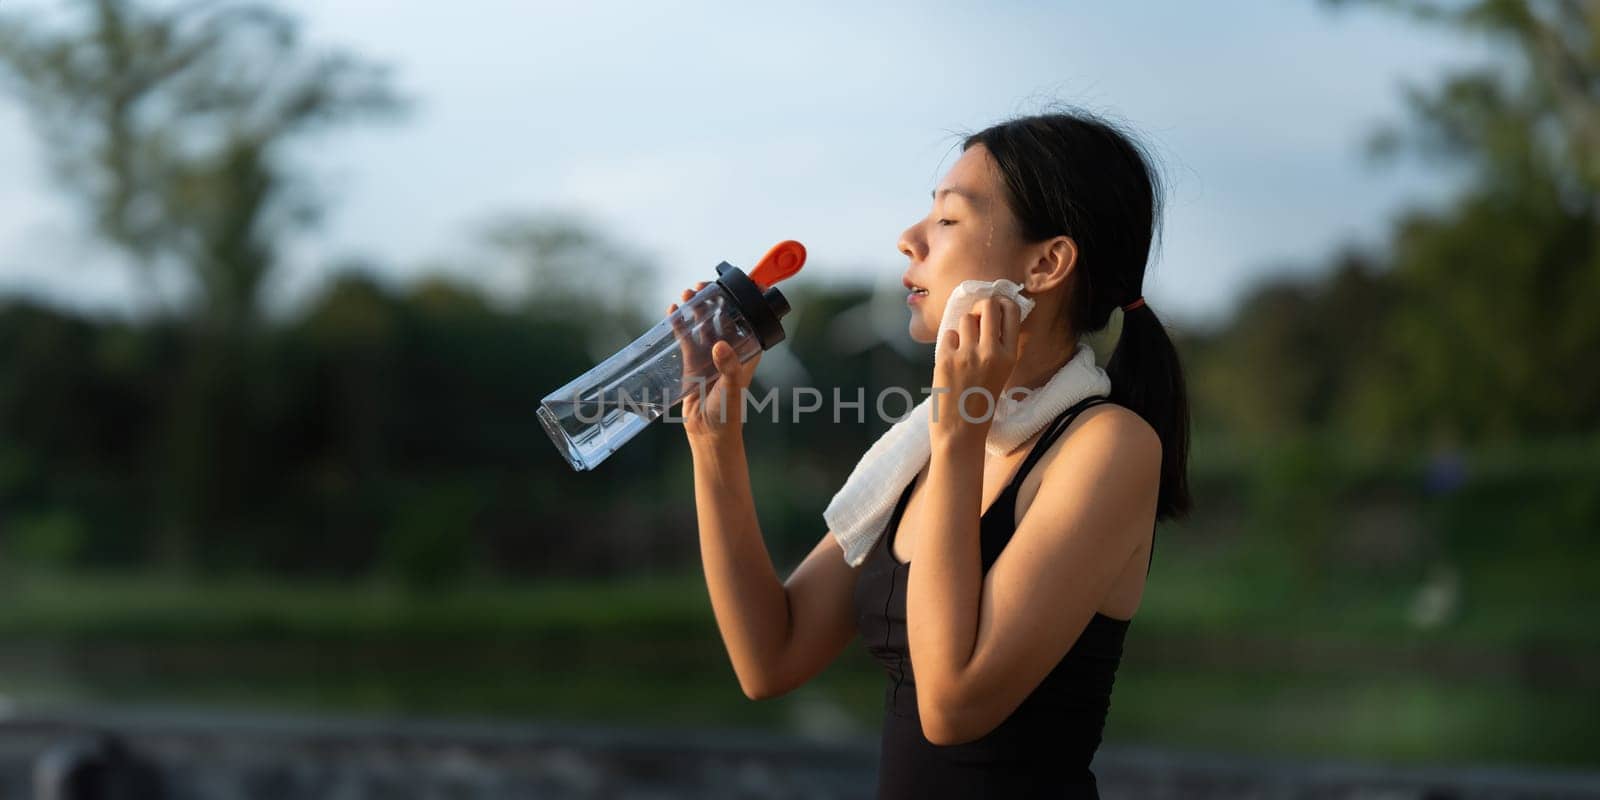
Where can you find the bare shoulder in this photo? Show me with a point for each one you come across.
(1109, 423)
(1109, 436)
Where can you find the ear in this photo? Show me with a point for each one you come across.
(1053, 263)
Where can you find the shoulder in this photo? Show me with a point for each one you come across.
(1108, 436)
(1119, 424)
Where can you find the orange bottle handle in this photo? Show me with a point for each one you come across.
(783, 260)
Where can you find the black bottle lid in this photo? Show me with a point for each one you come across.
(762, 309)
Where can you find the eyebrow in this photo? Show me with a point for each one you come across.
(971, 198)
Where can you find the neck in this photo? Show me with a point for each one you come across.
(1036, 366)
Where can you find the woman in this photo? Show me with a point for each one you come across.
(1002, 644)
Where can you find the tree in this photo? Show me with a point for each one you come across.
(1494, 334)
(569, 271)
(1296, 352)
(171, 127)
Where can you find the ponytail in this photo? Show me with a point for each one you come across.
(1147, 378)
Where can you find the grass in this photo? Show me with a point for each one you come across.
(1391, 718)
(1278, 622)
(645, 652)
(66, 607)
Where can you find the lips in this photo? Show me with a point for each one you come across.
(916, 291)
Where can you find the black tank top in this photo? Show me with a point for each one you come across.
(1043, 749)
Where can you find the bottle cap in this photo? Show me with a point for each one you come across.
(763, 310)
(755, 295)
(783, 260)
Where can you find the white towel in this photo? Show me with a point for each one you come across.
(860, 510)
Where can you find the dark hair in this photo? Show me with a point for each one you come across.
(1077, 175)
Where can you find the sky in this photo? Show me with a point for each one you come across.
(708, 133)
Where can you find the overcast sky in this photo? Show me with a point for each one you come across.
(709, 133)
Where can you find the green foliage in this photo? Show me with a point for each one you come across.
(51, 540)
(1298, 355)
(430, 543)
(171, 126)
(1475, 323)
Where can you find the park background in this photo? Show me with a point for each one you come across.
(281, 285)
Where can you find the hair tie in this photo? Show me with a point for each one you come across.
(1133, 305)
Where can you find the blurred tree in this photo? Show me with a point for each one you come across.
(1493, 333)
(567, 270)
(171, 125)
(1474, 322)
(1295, 351)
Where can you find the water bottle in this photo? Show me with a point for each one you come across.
(600, 410)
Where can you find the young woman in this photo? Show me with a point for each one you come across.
(999, 594)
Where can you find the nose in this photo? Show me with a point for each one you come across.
(911, 243)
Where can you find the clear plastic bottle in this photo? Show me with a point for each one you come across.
(599, 411)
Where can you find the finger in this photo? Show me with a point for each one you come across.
(677, 322)
(737, 368)
(717, 323)
(691, 354)
(988, 325)
(735, 374)
(1005, 323)
(969, 329)
(952, 340)
(697, 314)
(726, 359)
(748, 370)
(1013, 326)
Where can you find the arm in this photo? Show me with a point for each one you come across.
(778, 635)
(979, 644)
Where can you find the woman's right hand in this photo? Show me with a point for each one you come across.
(712, 412)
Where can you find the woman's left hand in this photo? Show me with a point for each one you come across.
(978, 353)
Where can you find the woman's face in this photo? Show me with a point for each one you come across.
(970, 233)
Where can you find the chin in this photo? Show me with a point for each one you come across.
(920, 333)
